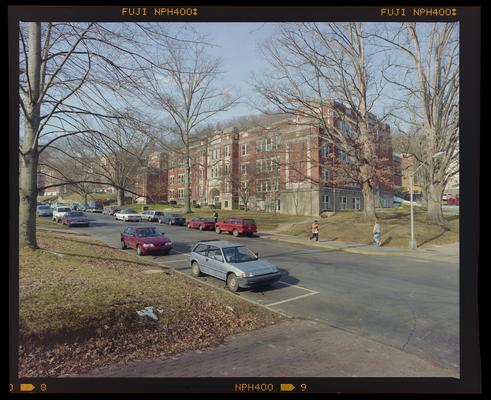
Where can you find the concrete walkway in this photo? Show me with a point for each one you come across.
(294, 347)
(449, 253)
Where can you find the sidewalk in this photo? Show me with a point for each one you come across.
(294, 347)
(449, 253)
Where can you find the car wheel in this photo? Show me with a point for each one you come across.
(170, 222)
(217, 230)
(139, 250)
(58, 221)
(195, 269)
(235, 232)
(201, 227)
(233, 282)
(123, 244)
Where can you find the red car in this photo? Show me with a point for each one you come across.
(146, 240)
(201, 223)
(236, 226)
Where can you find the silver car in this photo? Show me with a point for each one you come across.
(232, 262)
(44, 211)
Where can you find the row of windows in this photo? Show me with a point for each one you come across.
(341, 204)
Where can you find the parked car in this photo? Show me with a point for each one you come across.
(59, 212)
(75, 218)
(232, 262)
(237, 226)
(110, 210)
(44, 211)
(146, 240)
(453, 201)
(171, 219)
(201, 223)
(151, 215)
(127, 214)
(74, 206)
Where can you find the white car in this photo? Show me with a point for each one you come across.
(59, 212)
(127, 214)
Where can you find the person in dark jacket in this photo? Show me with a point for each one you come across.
(215, 216)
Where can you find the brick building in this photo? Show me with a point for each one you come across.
(286, 167)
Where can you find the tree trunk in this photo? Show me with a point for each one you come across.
(85, 198)
(434, 214)
(368, 203)
(28, 161)
(121, 198)
(187, 190)
(28, 201)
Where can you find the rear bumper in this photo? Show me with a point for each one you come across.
(260, 280)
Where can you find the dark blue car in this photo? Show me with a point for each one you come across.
(171, 219)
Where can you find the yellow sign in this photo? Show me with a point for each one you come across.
(286, 387)
(27, 387)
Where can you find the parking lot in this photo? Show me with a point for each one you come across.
(397, 301)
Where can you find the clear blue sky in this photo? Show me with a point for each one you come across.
(237, 45)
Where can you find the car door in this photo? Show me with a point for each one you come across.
(216, 262)
(131, 237)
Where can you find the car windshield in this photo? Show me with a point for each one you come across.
(76, 214)
(128, 211)
(238, 254)
(63, 209)
(159, 213)
(147, 232)
(174, 216)
(43, 207)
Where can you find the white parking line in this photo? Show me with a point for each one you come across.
(293, 298)
(300, 287)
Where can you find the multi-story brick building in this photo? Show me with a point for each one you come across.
(287, 167)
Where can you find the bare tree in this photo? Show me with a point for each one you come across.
(323, 74)
(68, 70)
(427, 75)
(184, 87)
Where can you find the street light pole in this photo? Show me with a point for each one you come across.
(412, 242)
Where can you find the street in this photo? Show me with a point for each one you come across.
(408, 303)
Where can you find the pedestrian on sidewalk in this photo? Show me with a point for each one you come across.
(377, 233)
(315, 231)
(215, 216)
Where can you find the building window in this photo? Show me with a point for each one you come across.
(325, 174)
(215, 172)
(243, 169)
(267, 144)
(215, 154)
(227, 187)
(227, 150)
(244, 186)
(325, 151)
(180, 178)
(171, 179)
(225, 203)
(325, 205)
(181, 193)
(244, 149)
(356, 203)
(343, 202)
(226, 169)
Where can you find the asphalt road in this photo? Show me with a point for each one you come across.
(409, 303)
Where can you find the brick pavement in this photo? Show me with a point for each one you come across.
(294, 347)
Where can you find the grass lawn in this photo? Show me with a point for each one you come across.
(78, 303)
(395, 223)
(265, 221)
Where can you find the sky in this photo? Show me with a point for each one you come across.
(236, 44)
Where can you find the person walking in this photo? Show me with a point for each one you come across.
(215, 216)
(377, 232)
(315, 231)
